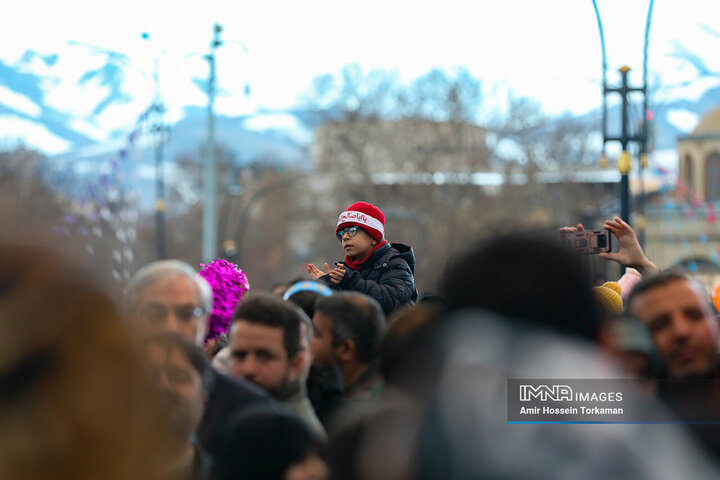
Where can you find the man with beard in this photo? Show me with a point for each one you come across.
(679, 316)
(267, 349)
(183, 379)
(348, 330)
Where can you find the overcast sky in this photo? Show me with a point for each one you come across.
(547, 50)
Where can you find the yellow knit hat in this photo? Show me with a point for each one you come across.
(609, 295)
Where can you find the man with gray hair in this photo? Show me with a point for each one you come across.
(169, 296)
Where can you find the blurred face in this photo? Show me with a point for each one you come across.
(71, 389)
(258, 355)
(682, 326)
(173, 304)
(180, 388)
(312, 468)
(322, 347)
(358, 246)
(306, 351)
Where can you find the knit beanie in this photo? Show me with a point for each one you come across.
(609, 295)
(364, 215)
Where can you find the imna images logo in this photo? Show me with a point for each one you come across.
(544, 393)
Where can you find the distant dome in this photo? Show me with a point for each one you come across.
(709, 124)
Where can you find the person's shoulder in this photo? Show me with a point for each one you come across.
(400, 252)
(227, 386)
(401, 249)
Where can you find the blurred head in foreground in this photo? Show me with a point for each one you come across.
(271, 443)
(74, 401)
(527, 277)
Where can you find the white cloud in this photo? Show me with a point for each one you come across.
(683, 119)
(18, 102)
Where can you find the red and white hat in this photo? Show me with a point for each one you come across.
(364, 215)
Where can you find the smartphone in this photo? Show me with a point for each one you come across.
(588, 241)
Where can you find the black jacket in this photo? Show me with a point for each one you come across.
(226, 395)
(387, 276)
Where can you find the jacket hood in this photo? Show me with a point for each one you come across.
(389, 251)
(405, 252)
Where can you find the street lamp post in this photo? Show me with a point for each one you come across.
(625, 138)
(640, 138)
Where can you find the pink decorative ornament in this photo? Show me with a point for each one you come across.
(695, 200)
(681, 187)
(229, 284)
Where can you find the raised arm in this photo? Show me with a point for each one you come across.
(631, 253)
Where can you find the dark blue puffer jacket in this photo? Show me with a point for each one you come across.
(387, 276)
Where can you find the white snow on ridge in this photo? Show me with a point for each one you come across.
(690, 91)
(16, 130)
(280, 121)
(19, 102)
(88, 129)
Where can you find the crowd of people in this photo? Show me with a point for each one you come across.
(348, 373)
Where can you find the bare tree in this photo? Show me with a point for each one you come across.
(27, 203)
(412, 149)
(418, 151)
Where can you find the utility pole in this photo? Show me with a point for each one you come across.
(159, 129)
(209, 241)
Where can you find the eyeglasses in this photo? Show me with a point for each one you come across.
(156, 314)
(351, 231)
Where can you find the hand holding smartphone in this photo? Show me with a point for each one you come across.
(586, 242)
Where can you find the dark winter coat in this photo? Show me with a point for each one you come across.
(226, 396)
(387, 276)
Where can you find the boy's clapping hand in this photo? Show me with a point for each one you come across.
(337, 273)
(315, 272)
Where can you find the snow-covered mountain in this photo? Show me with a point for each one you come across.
(95, 96)
(83, 103)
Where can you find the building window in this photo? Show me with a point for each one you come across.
(712, 176)
(686, 173)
